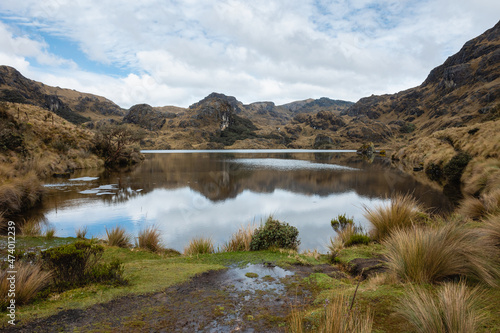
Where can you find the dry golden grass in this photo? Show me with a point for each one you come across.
(81, 232)
(455, 308)
(150, 239)
(430, 255)
(199, 245)
(477, 208)
(30, 279)
(118, 237)
(31, 227)
(402, 212)
(241, 239)
(340, 317)
(50, 233)
(490, 231)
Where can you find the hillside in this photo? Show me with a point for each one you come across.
(71, 105)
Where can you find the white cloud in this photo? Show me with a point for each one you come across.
(178, 52)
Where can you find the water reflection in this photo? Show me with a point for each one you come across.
(212, 194)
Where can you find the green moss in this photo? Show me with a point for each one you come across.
(345, 255)
(252, 275)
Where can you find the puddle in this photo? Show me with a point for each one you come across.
(254, 278)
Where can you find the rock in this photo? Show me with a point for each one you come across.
(146, 117)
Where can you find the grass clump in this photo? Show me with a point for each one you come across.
(117, 237)
(31, 227)
(199, 246)
(29, 281)
(402, 212)
(81, 232)
(150, 239)
(455, 308)
(50, 233)
(429, 255)
(347, 234)
(275, 234)
(241, 240)
(339, 317)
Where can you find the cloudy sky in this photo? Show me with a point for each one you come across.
(175, 52)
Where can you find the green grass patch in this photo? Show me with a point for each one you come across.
(348, 254)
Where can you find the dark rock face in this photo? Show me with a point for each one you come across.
(145, 116)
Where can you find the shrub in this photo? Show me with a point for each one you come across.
(240, 241)
(428, 255)
(118, 237)
(455, 308)
(347, 233)
(455, 167)
(275, 234)
(30, 280)
(72, 263)
(199, 246)
(149, 239)
(402, 212)
(111, 273)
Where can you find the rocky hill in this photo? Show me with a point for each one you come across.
(71, 105)
(462, 91)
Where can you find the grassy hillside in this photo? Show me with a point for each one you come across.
(35, 143)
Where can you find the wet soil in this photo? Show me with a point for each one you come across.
(256, 298)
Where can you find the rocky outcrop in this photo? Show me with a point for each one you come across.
(146, 117)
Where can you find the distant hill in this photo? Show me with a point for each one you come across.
(71, 105)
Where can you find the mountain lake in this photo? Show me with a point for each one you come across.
(188, 194)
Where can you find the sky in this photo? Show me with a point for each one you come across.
(176, 52)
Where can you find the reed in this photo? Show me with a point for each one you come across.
(241, 239)
(150, 239)
(118, 237)
(456, 308)
(430, 255)
(402, 212)
(199, 245)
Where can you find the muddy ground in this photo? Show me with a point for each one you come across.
(256, 298)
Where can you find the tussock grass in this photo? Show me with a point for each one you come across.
(490, 231)
(429, 255)
(117, 237)
(30, 227)
(339, 318)
(478, 208)
(402, 212)
(30, 279)
(149, 239)
(241, 239)
(199, 245)
(50, 233)
(81, 232)
(456, 308)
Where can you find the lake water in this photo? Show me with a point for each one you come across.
(189, 194)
